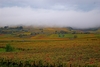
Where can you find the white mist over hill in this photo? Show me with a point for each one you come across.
(50, 13)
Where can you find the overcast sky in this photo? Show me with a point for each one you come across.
(73, 13)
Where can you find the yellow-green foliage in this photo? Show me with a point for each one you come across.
(84, 50)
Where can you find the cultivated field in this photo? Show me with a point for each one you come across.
(51, 50)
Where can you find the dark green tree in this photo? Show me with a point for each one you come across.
(9, 48)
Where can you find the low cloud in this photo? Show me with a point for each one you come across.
(49, 17)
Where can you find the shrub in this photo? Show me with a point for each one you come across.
(9, 48)
(75, 36)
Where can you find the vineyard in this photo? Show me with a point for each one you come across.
(47, 49)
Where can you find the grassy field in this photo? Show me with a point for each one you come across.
(51, 50)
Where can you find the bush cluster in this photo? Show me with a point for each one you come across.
(9, 48)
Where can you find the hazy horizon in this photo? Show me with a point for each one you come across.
(51, 13)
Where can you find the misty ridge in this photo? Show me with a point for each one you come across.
(51, 30)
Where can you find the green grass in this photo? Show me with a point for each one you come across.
(69, 35)
(97, 35)
(2, 50)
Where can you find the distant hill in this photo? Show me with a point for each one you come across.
(88, 29)
(24, 30)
